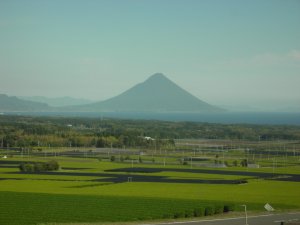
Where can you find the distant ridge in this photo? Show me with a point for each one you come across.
(56, 102)
(156, 94)
(14, 104)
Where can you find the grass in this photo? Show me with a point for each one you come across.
(40, 198)
(33, 208)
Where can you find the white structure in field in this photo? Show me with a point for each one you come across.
(149, 138)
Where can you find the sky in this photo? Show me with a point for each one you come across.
(232, 52)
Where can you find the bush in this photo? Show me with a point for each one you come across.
(209, 210)
(199, 212)
(178, 215)
(244, 163)
(52, 165)
(22, 167)
(219, 209)
(140, 159)
(235, 163)
(229, 207)
(112, 158)
(26, 167)
(39, 166)
(188, 213)
(166, 216)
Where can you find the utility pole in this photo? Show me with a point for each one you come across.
(246, 217)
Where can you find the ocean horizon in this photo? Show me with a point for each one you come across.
(268, 118)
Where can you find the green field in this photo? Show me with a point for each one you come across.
(129, 170)
(89, 190)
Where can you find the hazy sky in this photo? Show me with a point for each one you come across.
(224, 52)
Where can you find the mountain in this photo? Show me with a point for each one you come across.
(56, 102)
(14, 104)
(156, 94)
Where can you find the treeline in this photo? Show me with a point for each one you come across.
(26, 131)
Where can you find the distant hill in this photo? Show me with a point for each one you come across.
(57, 102)
(156, 94)
(14, 104)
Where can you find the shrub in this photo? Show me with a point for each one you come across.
(188, 213)
(52, 165)
(244, 163)
(219, 209)
(229, 207)
(39, 166)
(22, 167)
(226, 163)
(166, 216)
(29, 167)
(178, 215)
(235, 163)
(209, 211)
(199, 212)
(112, 158)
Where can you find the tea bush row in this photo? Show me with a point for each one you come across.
(61, 208)
(203, 211)
(39, 166)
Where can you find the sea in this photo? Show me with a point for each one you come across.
(271, 118)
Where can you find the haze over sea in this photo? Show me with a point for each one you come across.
(274, 118)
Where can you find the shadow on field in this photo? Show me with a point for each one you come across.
(121, 178)
(112, 176)
(260, 175)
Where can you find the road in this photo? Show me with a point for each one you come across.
(270, 219)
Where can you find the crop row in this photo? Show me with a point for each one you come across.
(33, 208)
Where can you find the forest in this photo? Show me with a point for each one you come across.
(28, 131)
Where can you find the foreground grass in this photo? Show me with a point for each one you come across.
(39, 198)
(33, 208)
(278, 193)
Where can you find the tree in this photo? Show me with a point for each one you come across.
(244, 163)
(112, 158)
(100, 143)
(235, 163)
(52, 165)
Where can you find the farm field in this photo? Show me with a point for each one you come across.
(104, 171)
(89, 190)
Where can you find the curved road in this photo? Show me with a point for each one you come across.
(270, 219)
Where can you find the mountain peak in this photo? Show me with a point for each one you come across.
(156, 94)
(157, 76)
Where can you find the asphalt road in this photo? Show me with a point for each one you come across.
(270, 219)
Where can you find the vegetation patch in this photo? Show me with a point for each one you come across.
(52, 208)
(39, 166)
